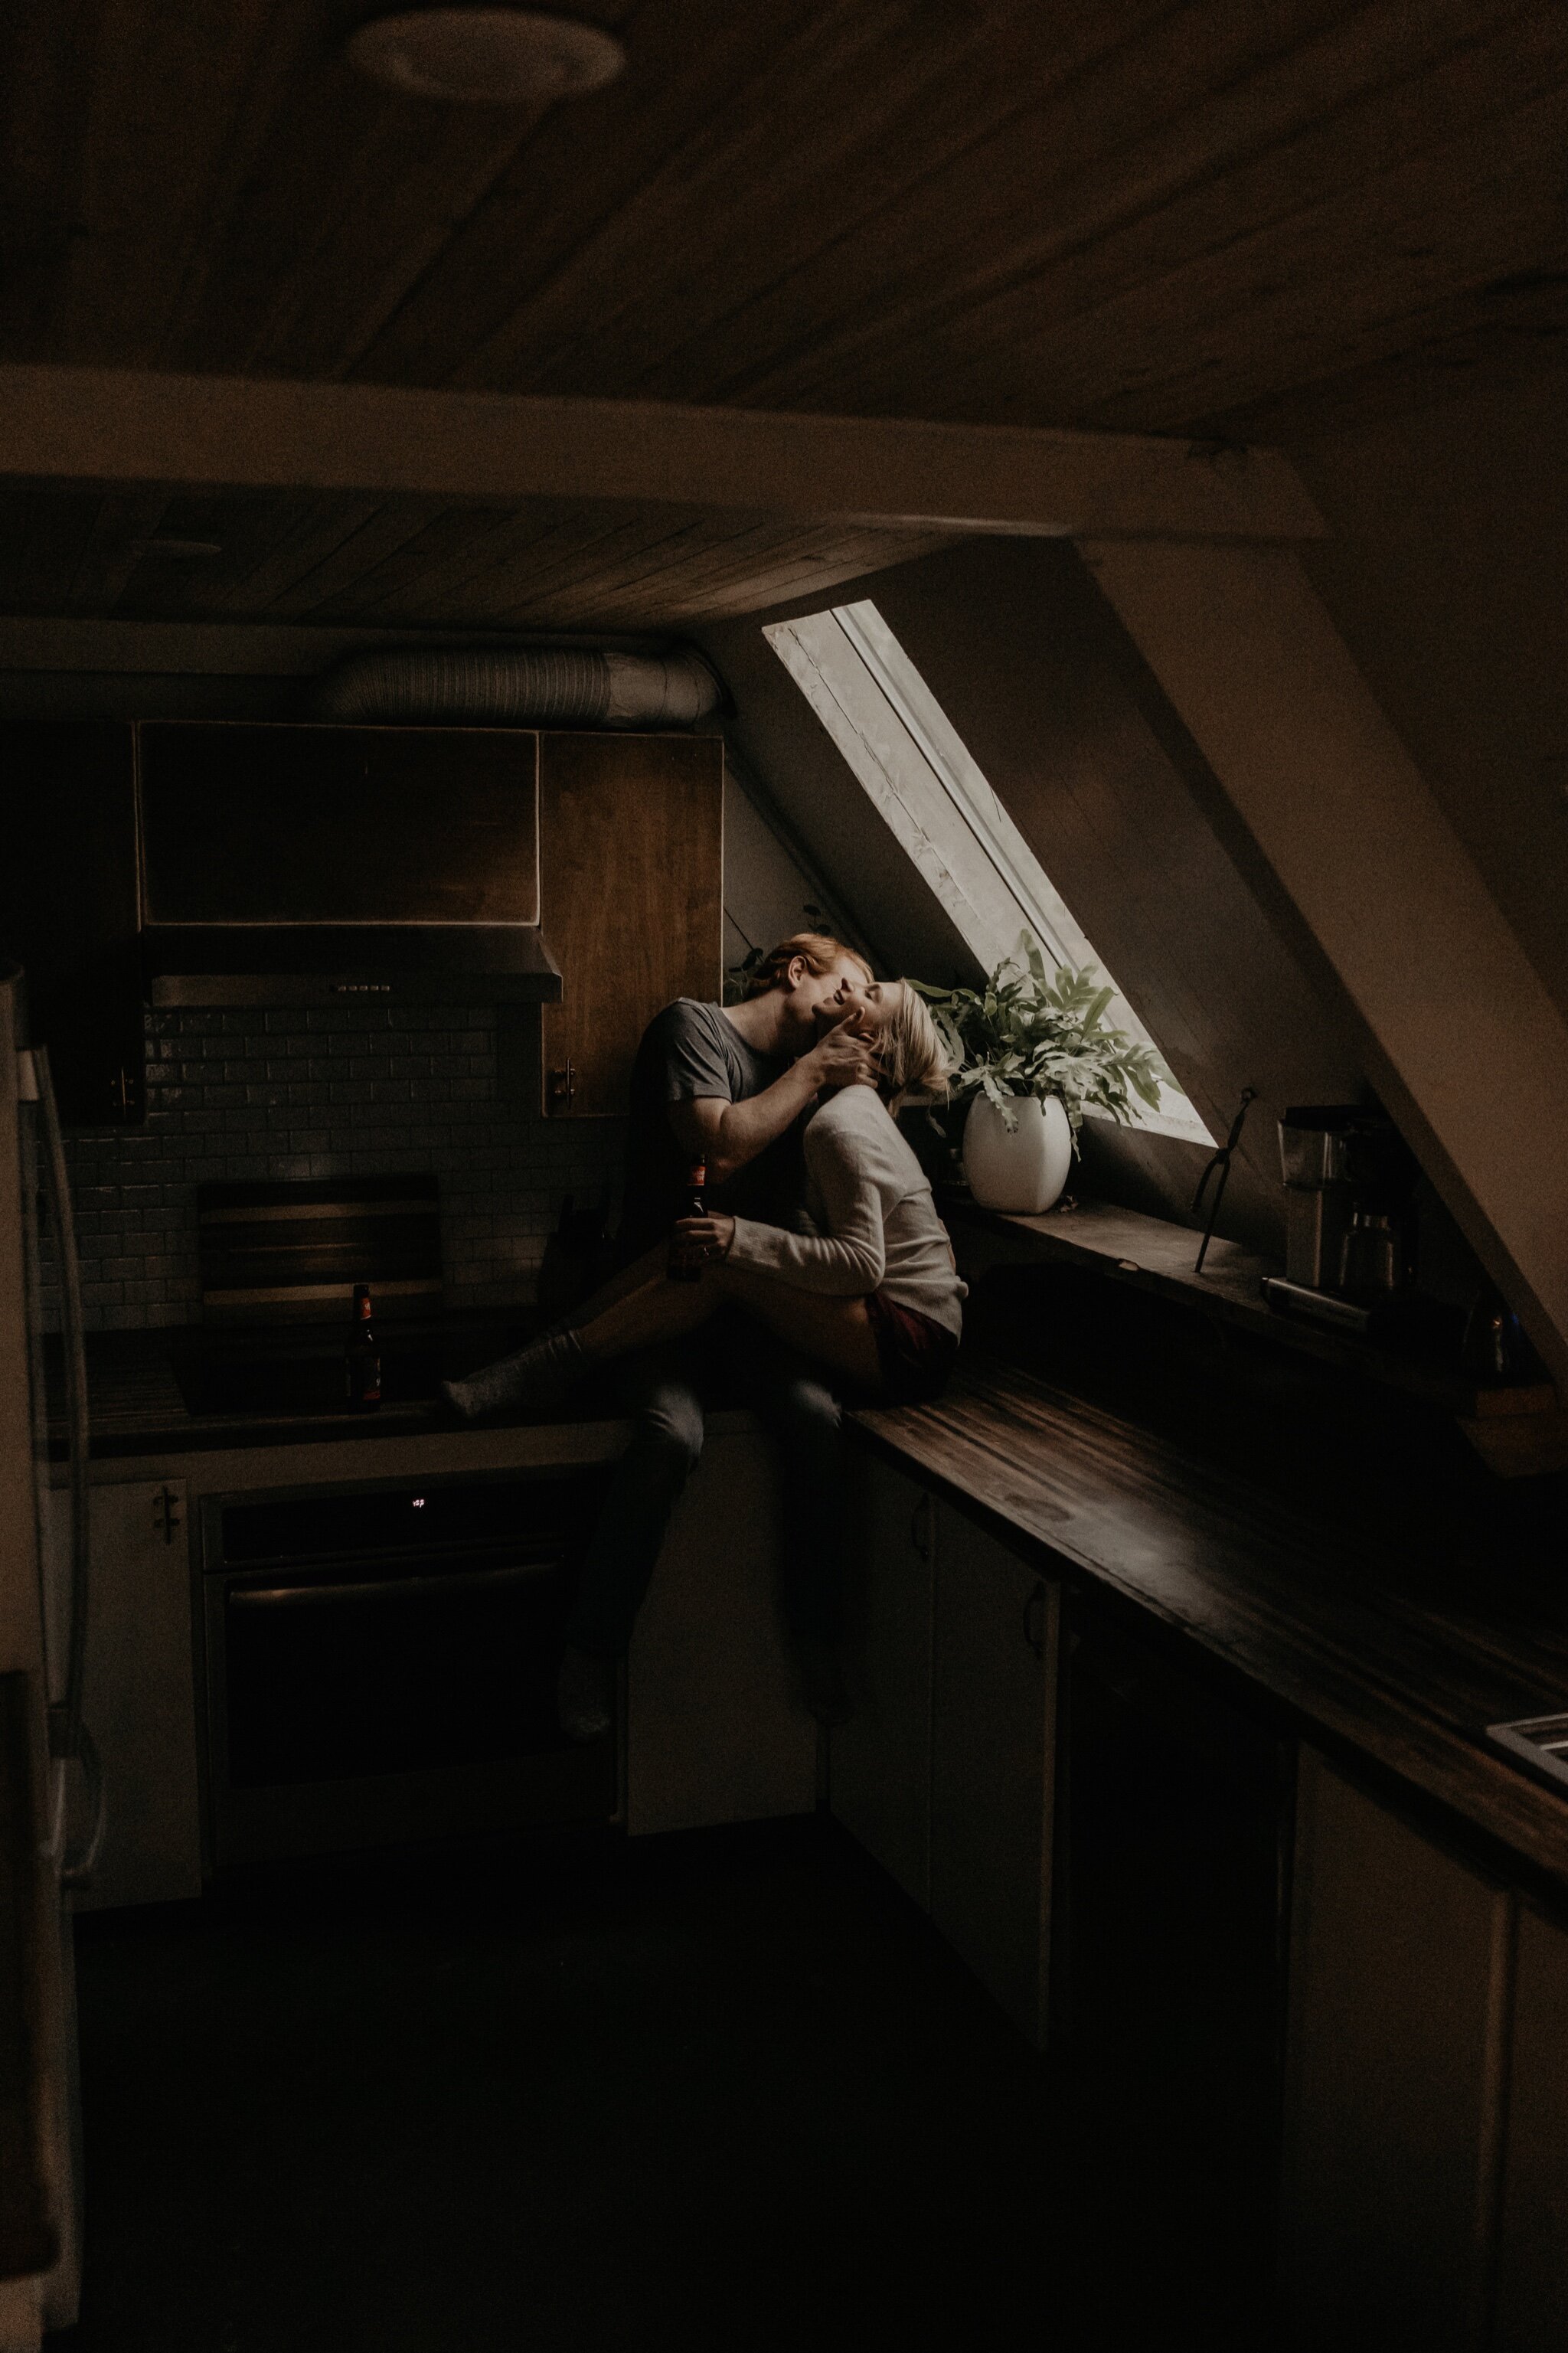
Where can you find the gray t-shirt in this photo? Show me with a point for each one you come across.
(690, 1051)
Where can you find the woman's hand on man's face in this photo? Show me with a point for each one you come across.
(709, 1237)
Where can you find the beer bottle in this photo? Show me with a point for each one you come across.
(685, 1263)
(361, 1356)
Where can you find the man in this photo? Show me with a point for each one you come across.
(725, 1086)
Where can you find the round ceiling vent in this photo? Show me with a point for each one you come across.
(485, 56)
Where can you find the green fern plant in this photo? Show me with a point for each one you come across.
(1031, 1032)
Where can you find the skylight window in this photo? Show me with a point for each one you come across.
(912, 765)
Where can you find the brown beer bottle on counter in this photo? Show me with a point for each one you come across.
(685, 1264)
(361, 1356)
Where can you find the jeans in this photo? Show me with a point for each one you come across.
(664, 1390)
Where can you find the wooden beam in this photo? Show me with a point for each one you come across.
(121, 426)
(243, 649)
(1323, 804)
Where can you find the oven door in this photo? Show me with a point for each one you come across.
(354, 1702)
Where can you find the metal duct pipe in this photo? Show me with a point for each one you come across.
(522, 686)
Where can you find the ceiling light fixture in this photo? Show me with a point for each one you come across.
(485, 56)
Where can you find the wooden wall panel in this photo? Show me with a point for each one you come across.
(631, 866)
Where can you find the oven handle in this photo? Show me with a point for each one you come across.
(389, 1588)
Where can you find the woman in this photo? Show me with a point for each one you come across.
(871, 1294)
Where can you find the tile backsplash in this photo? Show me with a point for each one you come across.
(341, 1092)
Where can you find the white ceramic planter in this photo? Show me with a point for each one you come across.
(1023, 1172)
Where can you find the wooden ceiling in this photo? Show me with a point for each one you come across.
(1143, 215)
(416, 563)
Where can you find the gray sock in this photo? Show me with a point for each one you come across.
(541, 1375)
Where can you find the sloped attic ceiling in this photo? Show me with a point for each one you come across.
(1245, 820)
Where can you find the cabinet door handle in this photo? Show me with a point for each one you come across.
(1035, 1621)
(166, 1513)
(919, 1527)
(562, 1087)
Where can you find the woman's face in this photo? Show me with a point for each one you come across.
(868, 1004)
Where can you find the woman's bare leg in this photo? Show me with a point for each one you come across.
(658, 1310)
(629, 1278)
(836, 1331)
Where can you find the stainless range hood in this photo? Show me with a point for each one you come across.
(299, 865)
(325, 964)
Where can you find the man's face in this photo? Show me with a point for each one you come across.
(814, 995)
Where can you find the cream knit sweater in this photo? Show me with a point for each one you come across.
(879, 1228)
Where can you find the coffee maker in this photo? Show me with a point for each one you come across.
(1349, 1181)
(1314, 1161)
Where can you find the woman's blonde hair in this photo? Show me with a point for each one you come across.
(820, 951)
(913, 1065)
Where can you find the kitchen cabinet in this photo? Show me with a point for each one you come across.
(631, 865)
(993, 1757)
(612, 844)
(714, 1732)
(287, 825)
(69, 912)
(1168, 1946)
(1398, 1992)
(1532, 2249)
(880, 1759)
(138, 1696)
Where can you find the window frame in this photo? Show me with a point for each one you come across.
(917, 772)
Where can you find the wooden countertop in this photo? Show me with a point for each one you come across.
(136, 1406)
(1400, 1650)
(1151, 1254)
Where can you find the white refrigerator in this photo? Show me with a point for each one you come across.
(50, 1791)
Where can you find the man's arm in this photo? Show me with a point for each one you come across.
(726, 1136)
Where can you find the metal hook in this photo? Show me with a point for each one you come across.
(1220, 1165)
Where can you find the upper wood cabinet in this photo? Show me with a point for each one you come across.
(69, 912)
(631, 859)
(612, 844)
(339, 824)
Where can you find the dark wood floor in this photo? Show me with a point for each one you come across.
(725, 2089)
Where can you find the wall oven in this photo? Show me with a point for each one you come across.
(381, 1662)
